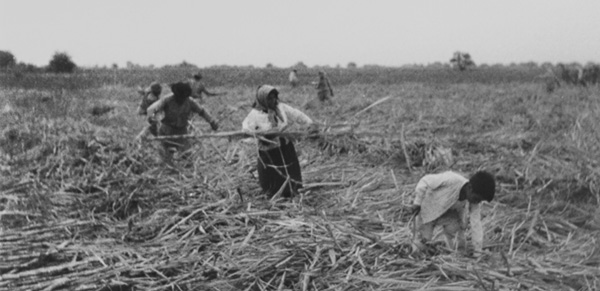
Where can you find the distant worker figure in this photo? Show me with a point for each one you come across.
(324, 91)
(177, 108)
(198, 88)
(550, 80)
(571, 74)
(278, 166)
(445, 200)
(150, 95)
(293, 78)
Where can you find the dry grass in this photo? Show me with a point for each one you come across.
(83, 208)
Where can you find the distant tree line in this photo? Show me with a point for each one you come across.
(60, 62)
(444, 72)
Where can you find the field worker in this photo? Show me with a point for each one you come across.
(198, 89)
(149, 96)
(324, 91)
(278, 166)
(294, 78)
(550, 80)
(177, 109)
(445, 199)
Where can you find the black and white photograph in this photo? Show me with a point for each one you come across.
(299, 145)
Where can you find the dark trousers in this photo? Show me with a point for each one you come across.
(180, 144)
(275, 166)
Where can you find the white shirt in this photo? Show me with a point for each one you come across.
(258, 121)
(293, 78)
(438, 193)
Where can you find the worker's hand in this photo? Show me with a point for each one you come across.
(214, 125)
(313, 131)
(313, 128)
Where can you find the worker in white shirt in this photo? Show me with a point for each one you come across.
(445, 200)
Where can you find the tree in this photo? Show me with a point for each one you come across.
(436, 65)
(61, 63)
(462, 61)
(351, 65)
(300, 66)
(186, 65)
(7, 60)
(530, 65)
(23, 67)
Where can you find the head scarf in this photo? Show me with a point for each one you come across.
(261, 104)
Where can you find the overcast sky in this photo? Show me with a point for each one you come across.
(316, 32)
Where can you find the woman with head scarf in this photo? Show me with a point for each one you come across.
(278, 166)
(177, 109)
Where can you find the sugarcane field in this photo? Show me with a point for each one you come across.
(89, 200)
